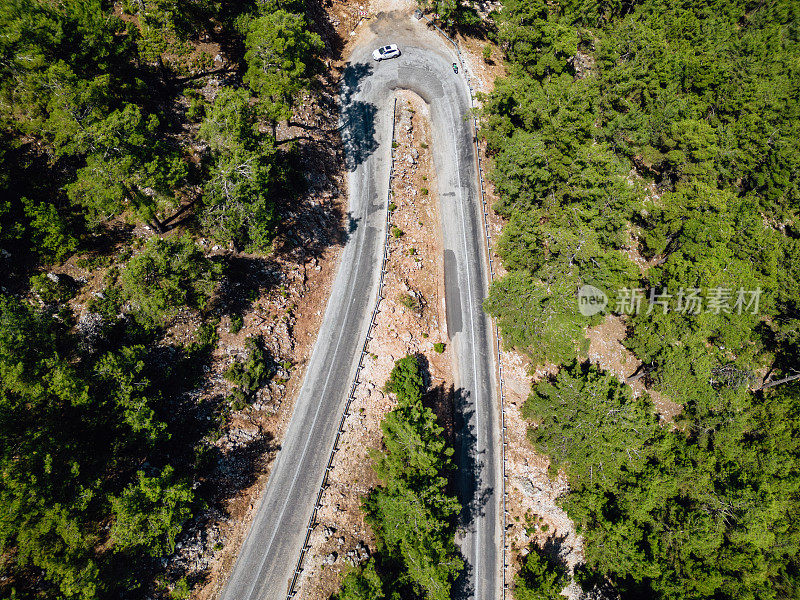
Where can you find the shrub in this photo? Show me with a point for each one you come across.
(108, 303)
(150, 513)
(237, 322)
(439, 347)
(409, 301)
(251, 374)
(396, 231)
(182, 590)
(405, 380)
(51, 290)
(206, 338)
(94, 261)
(196, 110)
(50, 233)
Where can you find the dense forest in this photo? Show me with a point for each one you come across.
(104, 129)
(652, 150)
(644, 148)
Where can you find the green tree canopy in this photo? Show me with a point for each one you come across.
(652, 146)
(72, 426)
(589, 423)
(282, 56)
(167, 274)
(150, 513)
(239, 207)
(411, 513)
(362, 584)
(697, 512)
(540, 578)
(126, 169)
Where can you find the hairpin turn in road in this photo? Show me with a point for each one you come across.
(269, 554)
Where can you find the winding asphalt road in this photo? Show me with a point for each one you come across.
(270, 551)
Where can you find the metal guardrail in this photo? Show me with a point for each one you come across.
(485, 207)
(491, 279)
(312, 521)
(499, 363)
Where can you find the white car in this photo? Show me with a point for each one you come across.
(384, 52)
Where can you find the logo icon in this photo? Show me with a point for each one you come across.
(591, 300)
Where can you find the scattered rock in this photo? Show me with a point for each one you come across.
(527, 488)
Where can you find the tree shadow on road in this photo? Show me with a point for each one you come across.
(358, 117)
(463, 589)
(453, 415)
(471, 493)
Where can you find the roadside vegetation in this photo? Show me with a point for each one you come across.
(453, 13)
(411, 513)
(100, 452)
(539, 578)
(655, 146)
